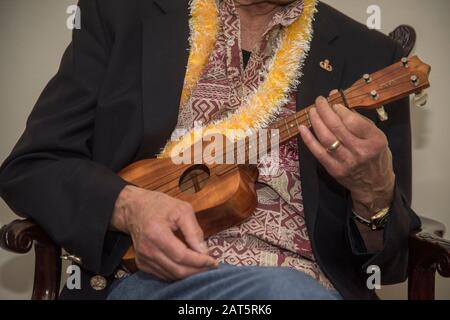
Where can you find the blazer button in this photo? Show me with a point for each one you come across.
(72, 258)
(98, 283)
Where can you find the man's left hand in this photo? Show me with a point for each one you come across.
(355, 152)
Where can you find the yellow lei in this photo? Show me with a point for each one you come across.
(261, 107)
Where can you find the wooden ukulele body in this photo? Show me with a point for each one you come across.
(221, 195)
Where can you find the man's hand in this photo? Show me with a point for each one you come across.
(362, 162)
(151, 218)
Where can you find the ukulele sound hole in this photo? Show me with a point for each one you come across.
(194, 179)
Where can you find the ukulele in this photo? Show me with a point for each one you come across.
(224, 195)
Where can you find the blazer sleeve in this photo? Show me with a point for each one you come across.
(50, 176)
(393, 258)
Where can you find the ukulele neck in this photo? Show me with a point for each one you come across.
(372, 91)
(289, 127)
(283, 130)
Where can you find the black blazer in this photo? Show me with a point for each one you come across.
(115, 100)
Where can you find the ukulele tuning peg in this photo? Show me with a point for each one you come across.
(405, 62)
(374, 94)
(382, 114)
(420, 99)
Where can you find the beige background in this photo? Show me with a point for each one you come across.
(33, 35)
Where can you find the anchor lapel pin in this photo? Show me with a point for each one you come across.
(326, 65)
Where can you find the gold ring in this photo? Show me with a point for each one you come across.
(334, 146)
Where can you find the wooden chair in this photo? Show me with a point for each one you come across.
(429, 251)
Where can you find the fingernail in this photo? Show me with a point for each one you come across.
(213, 263)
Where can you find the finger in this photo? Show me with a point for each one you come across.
(180, 254)
(177, 271)
(149, 266)
(160, 272)
(326, 137)
(332, 92)
(357, 124)
(192, 232)
(333, 95)
(321, 154)
(335, 124)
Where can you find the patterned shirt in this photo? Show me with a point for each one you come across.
(276, 233)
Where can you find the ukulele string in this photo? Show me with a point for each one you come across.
(296, 117)
(373, 80)
(381, 89)
(212, 166)
(337, 97)
(301, 115)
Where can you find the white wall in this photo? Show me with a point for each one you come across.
(33, 36)
(431, 152)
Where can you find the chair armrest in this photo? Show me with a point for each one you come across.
(19, 237)
(429, 252)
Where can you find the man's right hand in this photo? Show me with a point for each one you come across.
(151, 218)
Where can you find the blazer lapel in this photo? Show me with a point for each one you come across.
(317, 81)
(165, 54)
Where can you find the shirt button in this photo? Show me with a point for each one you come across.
(230, 42)
(98, 283)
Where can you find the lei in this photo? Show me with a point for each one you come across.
(262, 106)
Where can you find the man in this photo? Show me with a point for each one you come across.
(116, 99)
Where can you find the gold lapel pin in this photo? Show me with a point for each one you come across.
(326, 65)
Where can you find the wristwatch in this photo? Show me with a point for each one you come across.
(377, 222)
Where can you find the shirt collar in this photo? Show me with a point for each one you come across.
(288, 14)
(284, 17)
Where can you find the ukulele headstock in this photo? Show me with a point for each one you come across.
(397, 81)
